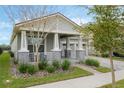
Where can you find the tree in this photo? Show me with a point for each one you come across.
(25, 13)
(106, 32)
(1, 51)
(5, 47)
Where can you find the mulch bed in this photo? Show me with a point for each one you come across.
(41, 73)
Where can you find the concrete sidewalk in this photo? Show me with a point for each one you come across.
(87, 68)
(84, 82)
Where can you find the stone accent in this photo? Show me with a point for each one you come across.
(54, 55)
(49, 55)
(23, 57)
(73, 54)
(80, 54)
(68, 55)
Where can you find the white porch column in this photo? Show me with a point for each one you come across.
(80, 43)
(56, 43)
(75, 46)
(87, 49)
(56, 51)
(23, 42)
(80, 53)
(23, 53)
(68, 43)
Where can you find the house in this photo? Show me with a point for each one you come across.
(62, 39)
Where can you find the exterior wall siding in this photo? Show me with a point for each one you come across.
(14, 46)
(19, 41)
(64, 26)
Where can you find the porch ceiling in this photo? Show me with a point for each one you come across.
(67, 35)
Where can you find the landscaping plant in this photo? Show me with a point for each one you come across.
(42, 65)
(23, 68)
(31, 69)
(65, 64)
(50, 69)
(15, 62)
(11, 54)
(92, 62)
(56, 64)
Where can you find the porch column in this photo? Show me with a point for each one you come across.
(24, 47)
(56, 51)
(80, 43)
(87, 47)
(56, 43)
(68, 43)
(68, 48)
(23, 53)
(80, 52)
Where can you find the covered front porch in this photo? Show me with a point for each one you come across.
(56, 46)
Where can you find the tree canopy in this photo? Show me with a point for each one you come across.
(106, 28)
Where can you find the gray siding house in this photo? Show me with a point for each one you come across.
(62, 39)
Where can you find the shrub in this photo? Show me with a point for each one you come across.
(56, 64)
(15, 62)
(65, 64)
(50, 69)
(11, 53)
(23, 68)
(105, 54)
(118, 54)
(1, 51)
(81, 61)
(31, 69)
(92, 62)
(42, 65)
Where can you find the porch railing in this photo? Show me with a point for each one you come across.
(32, 56)
(49, 55)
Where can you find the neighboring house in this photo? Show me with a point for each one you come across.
(62, 41)
(90, 47)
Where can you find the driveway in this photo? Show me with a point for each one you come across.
(84, 82)
(118, 65)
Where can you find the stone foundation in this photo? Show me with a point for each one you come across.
(80, 54)
(68, 53)
(54, 55)
(23, 57)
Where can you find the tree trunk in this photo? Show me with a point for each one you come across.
(37, 54)
(112, 69)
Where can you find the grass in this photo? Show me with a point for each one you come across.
(26, 82)
(4, 68)
(119, 84)
(118, 58)
(103, 69)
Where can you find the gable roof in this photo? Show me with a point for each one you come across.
(50, 15)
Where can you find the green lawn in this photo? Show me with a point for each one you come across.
(103, 69)
(21, 82)
(119, 84)
(118, 58)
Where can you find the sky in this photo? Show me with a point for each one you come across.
(77, 14)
